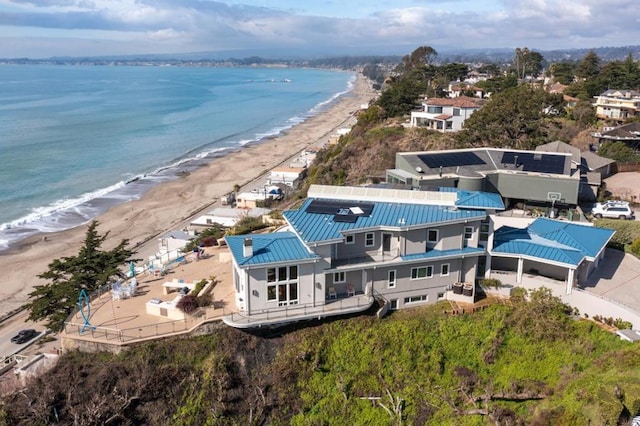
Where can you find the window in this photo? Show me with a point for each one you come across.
(440, 296)
(369, 239)
(421, 272)
(416, 299)
(468, 232)
(484, 230)
(434, 109)
(432, 235)
(391, 281)
(393, 304)
(456, 112)
(282, 285)
(339, 277)
(348, 239)
(444, 270)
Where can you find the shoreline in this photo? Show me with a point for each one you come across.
(169, 204)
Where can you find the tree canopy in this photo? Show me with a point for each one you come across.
(90, 269)
(518, 117)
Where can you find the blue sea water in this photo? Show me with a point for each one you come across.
(74, 140)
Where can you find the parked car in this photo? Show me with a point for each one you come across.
(613, 210)
(24, 336)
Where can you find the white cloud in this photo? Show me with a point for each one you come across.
(399, 25)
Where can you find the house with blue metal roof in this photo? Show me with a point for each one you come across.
(558, 249)
(346, 245)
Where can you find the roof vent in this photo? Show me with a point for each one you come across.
(419, 169)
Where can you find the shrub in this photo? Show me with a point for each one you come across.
(199, 286)
(620, 324)
(188, 304)
(491, 282)
(247, 225)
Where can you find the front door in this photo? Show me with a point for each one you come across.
(386, 243)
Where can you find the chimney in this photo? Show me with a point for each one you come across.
(247, 247)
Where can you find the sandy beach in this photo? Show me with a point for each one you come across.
(170, 205)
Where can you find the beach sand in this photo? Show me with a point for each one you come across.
(171, 205)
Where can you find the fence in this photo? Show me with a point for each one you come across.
(144, 332)
(627, 166)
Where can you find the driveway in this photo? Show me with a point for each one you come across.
(617, 278)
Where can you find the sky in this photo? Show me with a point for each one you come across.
(311, 28)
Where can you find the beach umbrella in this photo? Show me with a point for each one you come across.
(132, 269)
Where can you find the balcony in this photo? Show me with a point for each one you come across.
(364, 260)
(331, 307)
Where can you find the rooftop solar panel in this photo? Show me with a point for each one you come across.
(535, 162)
(451, 159)
(346, 207)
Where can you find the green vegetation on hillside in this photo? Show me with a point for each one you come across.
(529, 363)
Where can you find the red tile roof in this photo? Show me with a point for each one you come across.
(460, 102)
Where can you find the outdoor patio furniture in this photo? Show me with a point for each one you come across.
(350, 290)
(332, 293)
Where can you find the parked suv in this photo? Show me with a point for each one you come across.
(612, 210)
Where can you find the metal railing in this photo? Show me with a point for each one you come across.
(127, 335)
(307, 310)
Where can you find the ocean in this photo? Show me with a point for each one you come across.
(75, 140)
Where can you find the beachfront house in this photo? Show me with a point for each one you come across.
(345, 245)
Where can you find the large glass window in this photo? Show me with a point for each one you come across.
(282, 285)
(432, 235)
(434, 109)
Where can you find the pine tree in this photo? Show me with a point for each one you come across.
(90, 269)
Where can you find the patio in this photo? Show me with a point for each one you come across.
(125, 320)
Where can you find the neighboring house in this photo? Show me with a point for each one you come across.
(258, 197)
(617, 105)
(545, 178)
(345, 245)
(457, 89)
(227, 216)
(289, 176)
(627, 133)
(557, 249)
(171, 244)
(444, 114)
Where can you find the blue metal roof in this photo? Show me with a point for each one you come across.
(269, 248)
(553, 240)
(475, 199)
(479, 200)
(314, 227)
(431, 254)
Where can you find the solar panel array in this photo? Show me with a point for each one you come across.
(451, 159)
(343, 210)
(535, 162)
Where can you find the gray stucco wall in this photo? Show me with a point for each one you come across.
(535, 187)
